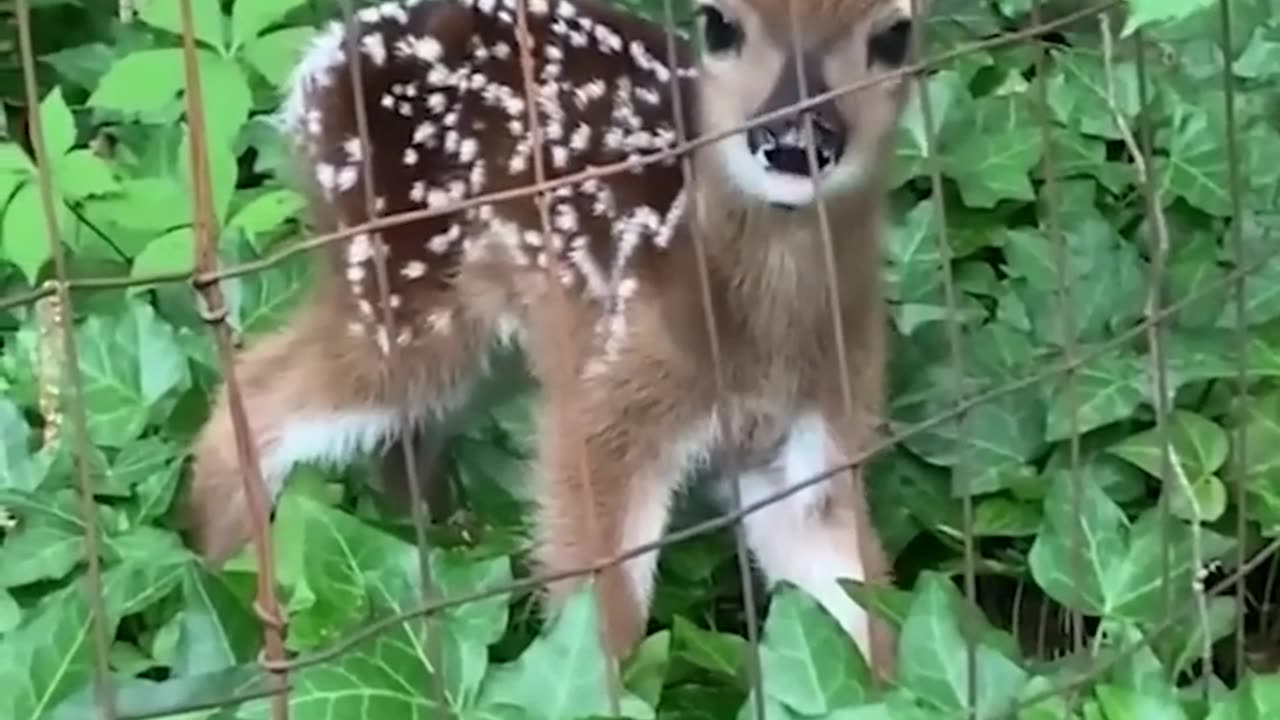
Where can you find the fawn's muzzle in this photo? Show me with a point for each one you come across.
(783, 146)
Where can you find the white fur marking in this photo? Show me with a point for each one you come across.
(326, 439)
(790, 543)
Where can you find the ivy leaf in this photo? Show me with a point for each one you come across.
(561, 675)
(1107, 388)
(1260, 423)
(1257, 696)
(250, 17)
(17, 468)
(206, 18)
(1197, 449)
(716, 652)
(216, 629)
(1196, 169)
(934, 664)
(1079, 96)
(50, 656)
(807, 662)
(992, 156)
(1122, 703)
(644, 672)
(1261, 57)
(1148, 12)
(1000, 516)
(10, 612)
(1089, 558)
(57, 123)
(130, 363)
(39, 551)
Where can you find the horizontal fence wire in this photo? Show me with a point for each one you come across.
(207, 274)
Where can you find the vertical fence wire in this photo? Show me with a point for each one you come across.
(214, 311)
(1238, 467)
(750, 605)
(394, 377)
(103, 685)
(961, 470)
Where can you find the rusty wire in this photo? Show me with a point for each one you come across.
(214, 312)
(206, 275)
(103, 687)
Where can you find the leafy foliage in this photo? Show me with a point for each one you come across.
(1100, 491)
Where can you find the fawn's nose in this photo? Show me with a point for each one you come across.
(783, 146)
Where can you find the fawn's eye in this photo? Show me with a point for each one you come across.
(719, 34)
(888, 46)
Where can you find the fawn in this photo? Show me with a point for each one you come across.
(442, 91)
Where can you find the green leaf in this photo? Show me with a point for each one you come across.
(717, 652)
(39, 551)
(81, 174)
(1258, 696)
(17, 468)
(250, 17)
(217, 630)
(1106, 389)
(1148, 12)
(1197, 448)
(142, 82)
(206, 18)
(222, 175)
(1089, 558)
(266, 213)
(806, 661)
(1000, 516)
(57, 123)
(13, 159)
(1122, 703)
(173, 251)
(562, 674)
(1261, 57)
(645, 669)
(51, 655)
(1260, 424)
(10, 612)
(26, 231)
(130, 363)
(1079, 96)
(1196, 169)
(276, 54)
(991, 159)
(933, 659)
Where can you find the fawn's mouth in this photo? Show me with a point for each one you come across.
(784, 149)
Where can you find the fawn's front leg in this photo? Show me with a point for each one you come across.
(612, 456)
(821, 534)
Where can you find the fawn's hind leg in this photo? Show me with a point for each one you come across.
(819, 534)
(312, 392)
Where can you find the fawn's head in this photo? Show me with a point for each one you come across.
(753, 63)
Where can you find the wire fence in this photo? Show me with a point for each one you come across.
(58, 297)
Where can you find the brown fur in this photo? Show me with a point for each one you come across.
(629, 393)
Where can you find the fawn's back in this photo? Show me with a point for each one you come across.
(442, 92)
